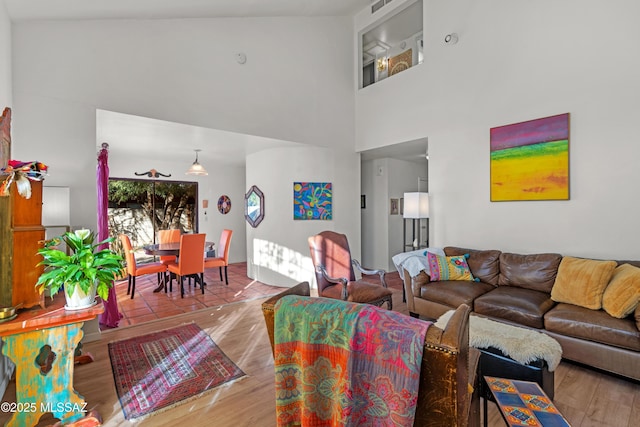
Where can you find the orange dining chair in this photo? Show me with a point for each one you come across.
(168, 236)
(133, 269)
(190, 261)
(221, 261)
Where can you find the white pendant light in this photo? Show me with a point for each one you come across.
(196, 168)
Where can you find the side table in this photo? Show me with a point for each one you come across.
(523, 403)
(38, 392)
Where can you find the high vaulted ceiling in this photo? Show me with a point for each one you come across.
(125, 131)
(24, 10)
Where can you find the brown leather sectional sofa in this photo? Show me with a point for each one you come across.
(516, 289)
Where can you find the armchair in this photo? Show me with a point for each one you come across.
(334, 267)
(448, 394)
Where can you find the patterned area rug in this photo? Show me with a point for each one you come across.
(158, 371)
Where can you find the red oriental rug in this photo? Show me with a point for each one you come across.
(158, 371)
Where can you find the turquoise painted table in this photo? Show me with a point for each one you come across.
(46, 337)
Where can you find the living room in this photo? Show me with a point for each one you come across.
(514, 61)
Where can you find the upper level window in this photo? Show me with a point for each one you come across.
(393, 46)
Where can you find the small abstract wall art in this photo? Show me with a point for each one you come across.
(393, 207)
(224, 204)
(312, 200)
(530, 160)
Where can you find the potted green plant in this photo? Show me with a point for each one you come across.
(83, 272)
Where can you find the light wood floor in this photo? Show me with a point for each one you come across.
(586, 397)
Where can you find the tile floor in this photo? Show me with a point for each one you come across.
(147, 306)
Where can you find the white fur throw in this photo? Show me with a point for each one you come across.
(520, 344)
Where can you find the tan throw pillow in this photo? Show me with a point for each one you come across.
(582, 281)
(622, 295)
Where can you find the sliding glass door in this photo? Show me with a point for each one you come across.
(139, 208)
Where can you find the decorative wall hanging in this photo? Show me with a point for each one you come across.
(400, 62)
(312, 200)
(224, 204)
(530, 160)
(152, 174)
(393, 207)
(254, 206)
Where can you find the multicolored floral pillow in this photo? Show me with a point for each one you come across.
(449, 267)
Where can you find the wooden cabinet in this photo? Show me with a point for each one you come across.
(21, 234)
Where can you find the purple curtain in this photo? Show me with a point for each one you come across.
(111, 316)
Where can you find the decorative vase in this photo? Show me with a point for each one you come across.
(80, 300)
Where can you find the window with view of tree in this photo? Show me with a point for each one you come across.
(139, 208)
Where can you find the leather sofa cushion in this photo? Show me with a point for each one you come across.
(593, 325)
(536, 271)
(484, 265)
(453, 293)
(517, 305)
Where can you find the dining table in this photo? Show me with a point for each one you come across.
(173, 248)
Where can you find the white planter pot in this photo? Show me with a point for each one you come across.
(79, 299)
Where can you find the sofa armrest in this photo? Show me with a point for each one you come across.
(445, 396)
(412, 287)
(408, 290)
(301, 289)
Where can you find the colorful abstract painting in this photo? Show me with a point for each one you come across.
(530, 160)
(312, 200)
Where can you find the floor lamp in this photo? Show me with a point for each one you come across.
(416, 207)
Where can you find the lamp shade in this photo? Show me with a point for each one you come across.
(416, 205)
(196, 168)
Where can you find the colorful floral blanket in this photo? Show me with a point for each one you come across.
(345, 364)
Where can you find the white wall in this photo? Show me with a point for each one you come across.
(5, 59)
(277, 249)
(296, 85)
(519, 60)
(221, 180)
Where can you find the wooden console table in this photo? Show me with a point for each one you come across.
(39, 392)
